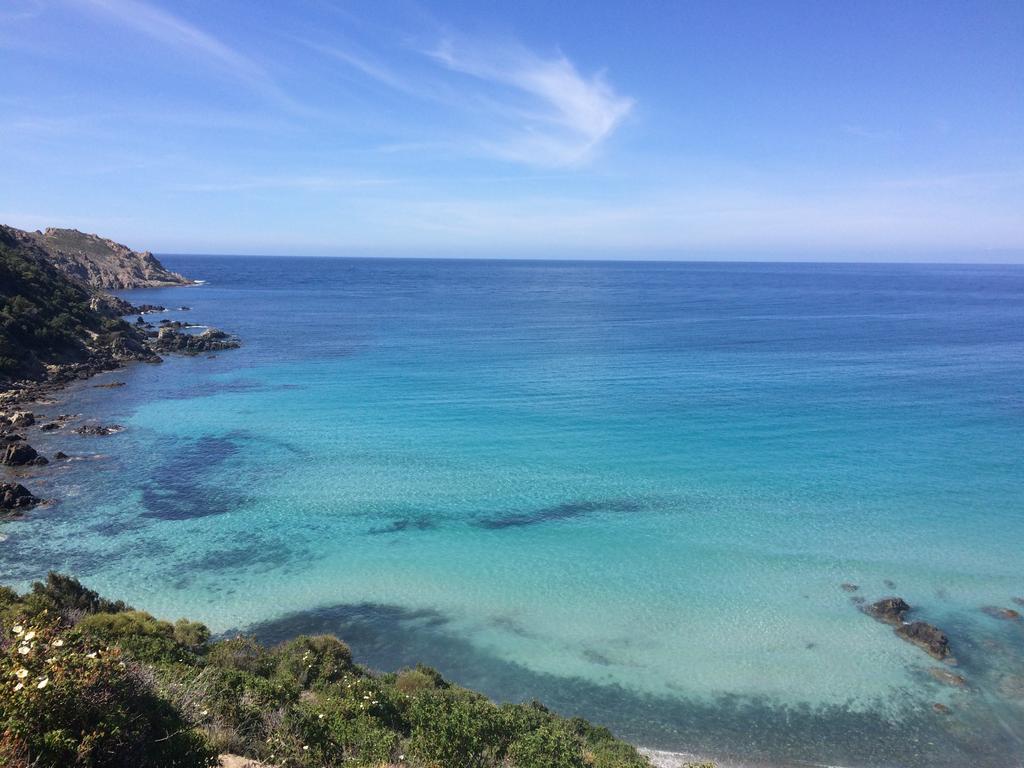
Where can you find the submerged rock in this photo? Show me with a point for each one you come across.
(947, 677)
(1007, 614)
(110, 385)
(848, 587)
(928, 638)
(14, 496)
(20, 455)
(50, 426)
(891, 610)
(941, 709)
(98, 430)
(1019, 600)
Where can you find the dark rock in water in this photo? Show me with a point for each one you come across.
(110, 385)
(20, 455)
(947, 677)
(98, 430)
(50, 426)
(22, 419)
(61, 455)
(941, 709)
(1019, 600)
(184, 308)
(16, 496)
(848, 587)
(889, 584)
(145, 309)
(929, 639)
(858, 600)
(891, 610)
(211, 340)
(10, 438)
(1007, 614)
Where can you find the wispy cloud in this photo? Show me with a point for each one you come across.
(189, 39)
(565, 115)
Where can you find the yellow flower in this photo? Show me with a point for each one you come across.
(22, 673)
(42, 683)
(17, 629)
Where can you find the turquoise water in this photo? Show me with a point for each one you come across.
(630, 490)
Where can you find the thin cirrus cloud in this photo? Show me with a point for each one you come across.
(526, 108)
(179, 34)
(564, 116)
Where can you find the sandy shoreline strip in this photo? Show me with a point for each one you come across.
(664, 759)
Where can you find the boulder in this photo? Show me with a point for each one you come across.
(1007, 614)
(891, 610)
(20, 455)
(50, 426)
(947, 677)
(928, 638)
(60, 455)
(98, 430)
(22, 419)
(16, 496)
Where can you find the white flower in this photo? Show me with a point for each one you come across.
(58, 643)
(17, 629)
(30, 636)
(19, 686)
(42, 683)
(22, 673)
(305, 749)
(23, 649)
(91, 655)
(205, 712)
(321, 717)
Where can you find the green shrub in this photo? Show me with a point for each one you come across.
(311, 661)
(549, 746)
(64, 703)
(454, 727)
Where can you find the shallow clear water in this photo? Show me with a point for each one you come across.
(630, 490)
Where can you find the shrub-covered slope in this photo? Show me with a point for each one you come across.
(47, 318)
(89, 682)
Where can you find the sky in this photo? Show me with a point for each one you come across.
(824, 129)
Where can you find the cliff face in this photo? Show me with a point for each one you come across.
(99, 262)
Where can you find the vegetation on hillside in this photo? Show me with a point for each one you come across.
(89, 682)
(47, 318)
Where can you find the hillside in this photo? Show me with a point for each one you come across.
(100, 262)
(47, 319)
(90, 682)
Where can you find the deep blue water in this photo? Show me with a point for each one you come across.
(629, 489)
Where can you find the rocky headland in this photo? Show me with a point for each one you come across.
(58, 325)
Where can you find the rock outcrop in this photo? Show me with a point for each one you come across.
(14, 497)
(100, 262)
(171, 340)
(98, 430)
(891, 610)
(928, 638)
(21, 455)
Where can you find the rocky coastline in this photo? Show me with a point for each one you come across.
(59, 326)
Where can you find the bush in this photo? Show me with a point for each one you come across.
(452, 727)
(64, 703)
(136, 632)
(549, 746)
(311, 661)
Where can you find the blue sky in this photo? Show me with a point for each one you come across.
(632, 129)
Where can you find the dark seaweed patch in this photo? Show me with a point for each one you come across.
(176, 489)
(564, 511)
(405, 524)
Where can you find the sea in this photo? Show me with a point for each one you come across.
(631, 490)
